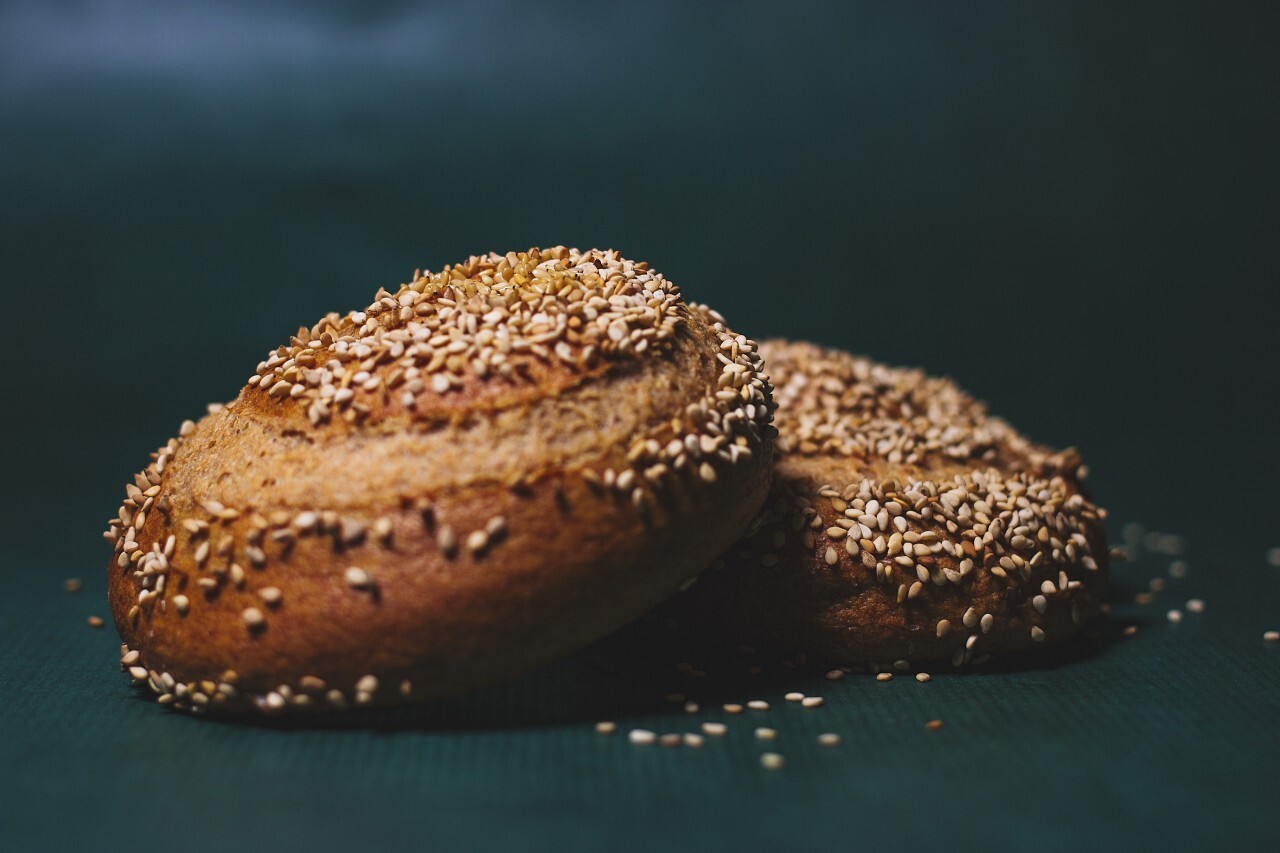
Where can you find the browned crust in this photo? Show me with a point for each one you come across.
(796, 581)
(491, 528)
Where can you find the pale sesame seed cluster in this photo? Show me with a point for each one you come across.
(437, 361)
(935, 530)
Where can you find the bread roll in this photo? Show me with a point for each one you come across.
(491, 466)
(904, 523)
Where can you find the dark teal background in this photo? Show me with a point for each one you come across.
(1073, 209)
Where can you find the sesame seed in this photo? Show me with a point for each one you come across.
(477, 541)
(715, 729)
(270, 594)
(923, 677)
(1174, 616)
(1037, 633)
(693, 739)
(732, 708)
(933, 725)
(1195, 605)
(1271, 636)
(1130, 630)
(884, 676)
(829, 739)
(812, 702)
(691, 707)
(181, 603)
(95, 622)
(72, 584)
(606, 727)
(758, 705)
(642, 736)
(764, 733)
(772, 761)
(1273, 557)
(670, 739)
(794, 697)
(834, 675)
(357, 578)
(944, 627)
(253, 617)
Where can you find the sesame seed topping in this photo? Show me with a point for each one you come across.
(357, 578)
(181, 603)
(253, 617)
(1037, 633)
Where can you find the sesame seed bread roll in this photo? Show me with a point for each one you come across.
(495, 464)
(904, 523)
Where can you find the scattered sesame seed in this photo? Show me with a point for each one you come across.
(772, 761)
(1177, 569)
(933, 725)
(884, 676)
(835, 675)
(670, 739)
(733, 708)
(182, 604)
(1195, 605)
(758, 705)
(794, 697)
(253, 617)
(1130, 630)
(693, 739)
(1174, 616)
(72, 584)
(642, 736)
(764, 733)
(95, 622)
(691, 707)
(715, 729)
(1037, 633)
(829, 739)
(813, 702)
(923, 677)
(271, 595)
(1271, 636)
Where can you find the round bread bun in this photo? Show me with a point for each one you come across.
(904, 523)
(489, 467)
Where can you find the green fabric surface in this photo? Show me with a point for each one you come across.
(1165, 739)
(1070, 208)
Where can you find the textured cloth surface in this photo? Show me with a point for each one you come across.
(1163, 739)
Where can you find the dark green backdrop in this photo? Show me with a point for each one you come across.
(1072, 208)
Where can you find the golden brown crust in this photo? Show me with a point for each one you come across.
(904, 523)
(585, 445)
